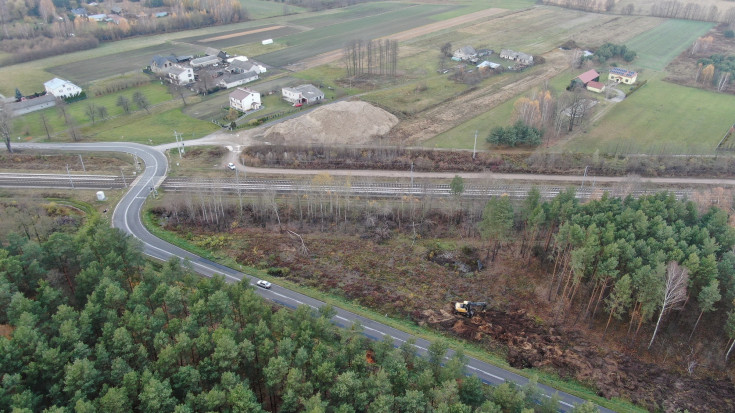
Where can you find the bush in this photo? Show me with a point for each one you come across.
(729, 34)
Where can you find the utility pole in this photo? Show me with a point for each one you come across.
(412, 176)
(237, 182)
(474, 148)
(69, 175)
(585, 176)
(82, 161)
(123, 177)
(178, 136)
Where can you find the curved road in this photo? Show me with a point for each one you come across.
(127, 217)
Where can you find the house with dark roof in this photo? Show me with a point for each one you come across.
(81, 11)
(302, 94)
(205, 61)
(116, 10)
(620, 75)
(160, 64)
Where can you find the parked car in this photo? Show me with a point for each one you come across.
(231, 166)
(263, 284)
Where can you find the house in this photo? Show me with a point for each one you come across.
(161, 14)
(98, 17)
(116, 10)
(596, 87)
(204, 61)
(618, 74)
(240, 66)
(302, 94)
(222, 55)
(62, 88)
(180, 75)
(484, 52)
(588, 76)
(465, 53)
(81, 12)
(237, 79)
(244, 99)
(491, 65)
(519, 57)
(160, 64)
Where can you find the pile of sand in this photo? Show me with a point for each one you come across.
(339, 123)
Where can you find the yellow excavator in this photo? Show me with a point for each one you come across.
(469, 308)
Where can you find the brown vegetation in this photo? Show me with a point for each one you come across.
(685, 70)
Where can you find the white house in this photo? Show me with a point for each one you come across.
(98, 17)
(62, 88)
(244, 99)
(465, 53)
(302, 94)
(237, 79)
(180, 75)
(486, 63)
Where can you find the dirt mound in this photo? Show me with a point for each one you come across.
(338, 123)
(531, 344)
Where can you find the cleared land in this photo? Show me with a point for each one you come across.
(657, 47)
(259, 9)
(239, 37)
(237, 34)
(660, 118)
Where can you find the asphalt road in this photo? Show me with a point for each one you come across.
(127, 217)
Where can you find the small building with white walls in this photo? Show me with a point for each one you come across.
(244, 99)
(62, 88)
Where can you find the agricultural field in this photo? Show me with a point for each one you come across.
(657, 47)
(235, 38)
(661, 117)
(333, 37)
(261, 9)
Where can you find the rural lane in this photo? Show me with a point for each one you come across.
(127, 217)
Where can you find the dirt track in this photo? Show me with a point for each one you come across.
(441, 118)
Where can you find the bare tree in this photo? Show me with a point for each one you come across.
(6, 123)
(673, 294)
(44, 121)
(102, 112)
(141, 101)
(91, 111)
(124, 103)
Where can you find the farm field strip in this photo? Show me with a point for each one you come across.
(657, 47)
(331, 38)
(359, 11)
(240, 38)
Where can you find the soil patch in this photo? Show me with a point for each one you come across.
(353, 123)
(530, 343)
(56, 163)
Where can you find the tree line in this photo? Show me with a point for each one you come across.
(94, 327)
(633, 259)
(371, 57)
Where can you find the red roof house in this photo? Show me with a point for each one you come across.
(588, 76)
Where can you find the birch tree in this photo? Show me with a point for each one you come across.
(674, 293)
(6, 124)
(707, 298)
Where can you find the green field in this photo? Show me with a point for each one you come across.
(477, 5)
(663, 118)
(359, 11)
(657, 47)
(463, 136)
(261, 9)
(30, 125)
(237, 38)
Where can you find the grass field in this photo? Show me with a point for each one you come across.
(239, 37)
(463, 136)
(661, 118)
(472, 6)
(261, 9)
(657, 47)
(346, 14)
(30, 124)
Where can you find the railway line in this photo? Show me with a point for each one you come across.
(34, 180)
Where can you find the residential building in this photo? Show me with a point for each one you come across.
(236, 79)
(160, 64)
(302, 94)
(519, 57)
(62, 88)
(81, 12)
(491, 65)
(98, 17)
(620, 75)
(244, 99)
(180, 75)
(465, 53)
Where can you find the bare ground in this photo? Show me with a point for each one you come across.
(683, 69)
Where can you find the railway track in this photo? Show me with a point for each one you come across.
(33, 180)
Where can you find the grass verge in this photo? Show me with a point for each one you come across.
(470, 349)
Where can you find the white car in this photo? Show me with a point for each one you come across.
(263, 283)
(231, 166)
